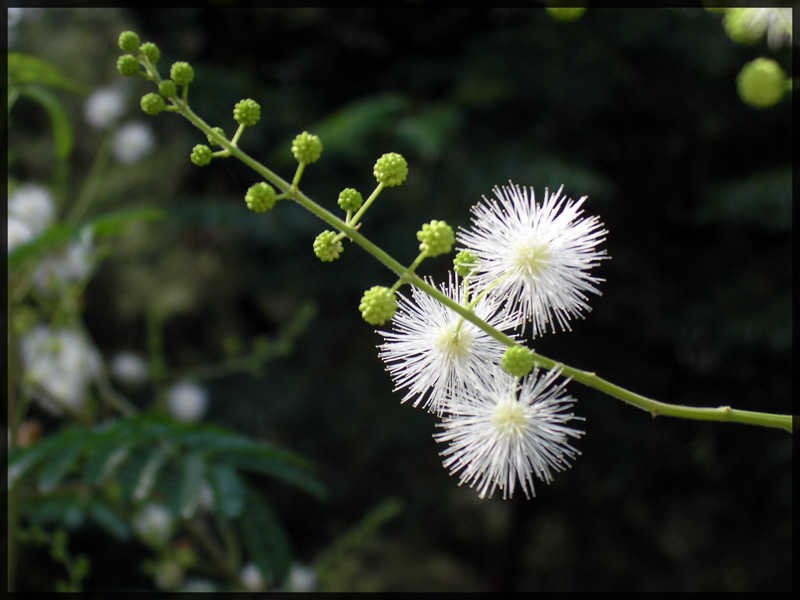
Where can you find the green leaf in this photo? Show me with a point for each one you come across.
(63, 136)
(59, 234)
(191, 483)
(23, 460)
(25, 69)
(277, 463)
(104, 459)
(263, 537)
(67, 509)
(229, 490)
(109, 520)
(61, 462)
(149, 473)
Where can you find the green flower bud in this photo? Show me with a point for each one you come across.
(129, 42)
(306, 148)
(565, 14)
(152, 104)
(151, 51)
(437, 238)
(167, 88)
(247, 112)
(378, 305)
(326, 247)
(464, 263)
(350, 199)
(761, 83)
(219, 131)
(181, 73)
(517, 361)
(391, 169)
(260, 197)
(201, 155)
(128, 65)
(737, 23)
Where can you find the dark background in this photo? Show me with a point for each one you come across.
(636, 108)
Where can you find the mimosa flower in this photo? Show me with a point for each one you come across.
(432, 349)
(535, 257)
(509, 430)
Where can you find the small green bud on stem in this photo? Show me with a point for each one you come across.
(129, 42)
(306, 148)
(378, 305)
(437, 238)
(260, 197)
(326, 247)
(201, 155)
(247, 112)
(391, 169)
(517, 361)
(152, 104)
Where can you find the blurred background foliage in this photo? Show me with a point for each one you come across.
(636, 108)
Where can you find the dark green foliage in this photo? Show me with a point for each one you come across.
(102, 473)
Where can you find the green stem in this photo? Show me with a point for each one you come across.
(92, 182)
(654, 407)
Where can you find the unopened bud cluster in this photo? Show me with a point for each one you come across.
(391, 169)
(260, 197)
(327, 247)
(378, 305)
(437, 238)
(247, 112)
(306, 148)
(517, 361)
(201, 155)
(464, 263)
(350, 200)
(761, 83)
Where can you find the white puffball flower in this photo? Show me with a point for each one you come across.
(432, 349)
(33, 204)
(252, 579)
(509, 430)
(154, 524)
(104, 106)
(132, 142)
(535, 258)
(187, 401)
(129, 368)
(18, 233)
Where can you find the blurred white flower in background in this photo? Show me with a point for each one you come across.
(18, 233)
(153, 524)
(104, 106)
(252, 579)
(129, 368)
(72, 265)
(16, 15)
(33, 205)
(187, 401)
(301, 579)
(59, 366)
(132, 142)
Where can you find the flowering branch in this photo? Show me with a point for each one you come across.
(522, 262)
(654, 407)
